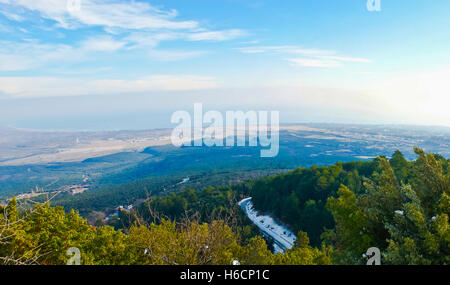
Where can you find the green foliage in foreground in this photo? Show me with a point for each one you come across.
(44, 234)
(408, 222)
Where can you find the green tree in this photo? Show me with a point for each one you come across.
(400, 166)
(11, 211)
(408, 222)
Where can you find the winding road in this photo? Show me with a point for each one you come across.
(283, 238)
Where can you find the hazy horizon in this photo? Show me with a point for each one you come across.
(122, 64)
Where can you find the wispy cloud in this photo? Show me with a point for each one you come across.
(152, 39)
(127, 25)
(102, 44)
(112, 14)
(324, 61)
(284, 49)
(11, 15)
(313, 62)
(32, 54)
(304, 57)
(174, 55)
(216, 35)
(15, 62)
(115, 17)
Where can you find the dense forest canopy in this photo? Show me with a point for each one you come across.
(401, 207)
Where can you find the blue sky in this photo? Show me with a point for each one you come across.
(130, 64)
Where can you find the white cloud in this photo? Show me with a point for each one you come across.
(32, 54)
(127, 25)
(148, 39)
(30, 87)
(309, 57)
(11, 16)
(111, 14)
(341, 58)
(284, 49)
(15, 62)
(325, 61)
(174, 55)
(102, 44)
(216, 35)
(117, 17)
(309, 62)
(152, 39)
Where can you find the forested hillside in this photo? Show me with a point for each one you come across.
(299, 198)
(398, 206)
(43, 234)
(401, 207)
